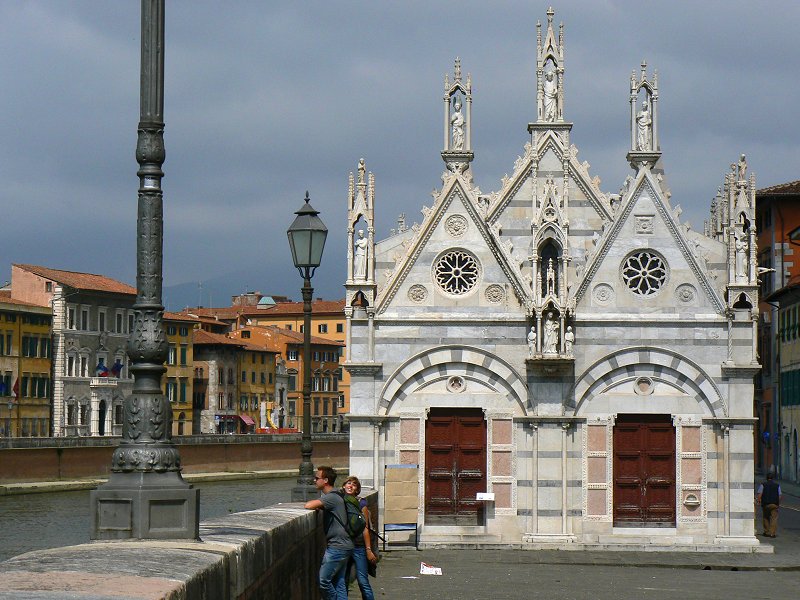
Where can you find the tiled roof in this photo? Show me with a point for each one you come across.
(276, 338)
(81, 281)
(5, 298)
(296, 308)
(205, 337)
(792, 187)
(173, 316)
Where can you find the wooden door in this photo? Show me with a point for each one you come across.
(644, 470)
(455, 465)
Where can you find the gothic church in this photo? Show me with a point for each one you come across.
(567, 367)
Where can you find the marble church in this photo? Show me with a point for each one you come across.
(566, 366)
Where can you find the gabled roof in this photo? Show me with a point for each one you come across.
(277, 338)
(296, 308)
(80, 281)
(792, 187)
(5, 298)
(173, 316)
(206, 338)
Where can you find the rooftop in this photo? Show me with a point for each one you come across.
(80, 281)
(792, 187)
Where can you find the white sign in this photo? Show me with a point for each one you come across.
(485, 496)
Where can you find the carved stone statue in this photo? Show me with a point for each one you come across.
(644, 122)
(550, 89)
(550, 342)
(742, 168)
(531, 342)
(360, 256)
(551, 277)
(741, 259)
(569, 341)
(457, 121)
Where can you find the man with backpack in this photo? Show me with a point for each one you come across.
(769, 496)
(339, 545)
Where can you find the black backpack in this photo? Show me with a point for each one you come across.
(355, 524)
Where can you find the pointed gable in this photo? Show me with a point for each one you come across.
(455, 260)
(644, 256)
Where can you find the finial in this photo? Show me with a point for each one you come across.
(458, 69)
(469, 82)
(644, 69)
(307, 198)
(446, 82)
(550, 13)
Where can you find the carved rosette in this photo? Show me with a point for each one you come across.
(456, 225)
(495, 294)
(417, 293)
(603, 294)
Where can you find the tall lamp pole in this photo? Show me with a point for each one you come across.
(307, 235)
(146, 497)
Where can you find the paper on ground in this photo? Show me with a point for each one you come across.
(426, 569)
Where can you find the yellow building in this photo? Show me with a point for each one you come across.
(256, 379)
(25, 366)
(177, 383)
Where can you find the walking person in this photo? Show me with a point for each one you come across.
(339, 546)
(769, 496)
(362, 553)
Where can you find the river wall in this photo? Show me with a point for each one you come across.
(273, 552)
(25, 460)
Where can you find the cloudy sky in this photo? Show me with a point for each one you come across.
(267, 99)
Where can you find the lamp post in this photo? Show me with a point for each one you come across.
(307, 235)
(11, 417)
(145, 496)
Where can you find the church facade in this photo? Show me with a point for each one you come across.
(567, 367)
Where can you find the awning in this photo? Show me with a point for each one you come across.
(247, 419)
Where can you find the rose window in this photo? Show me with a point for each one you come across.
(644, 273)
(456, 272)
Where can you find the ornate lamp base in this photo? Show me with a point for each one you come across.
(145, 506)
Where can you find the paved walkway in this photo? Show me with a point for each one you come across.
(483, 574)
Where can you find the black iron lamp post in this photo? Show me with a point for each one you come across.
(306, 239)
(11, 417)
(146, 497)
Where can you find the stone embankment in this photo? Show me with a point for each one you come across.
(273, 552)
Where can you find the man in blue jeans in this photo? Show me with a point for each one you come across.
(333, 570)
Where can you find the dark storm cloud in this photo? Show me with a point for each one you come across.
(265, 100)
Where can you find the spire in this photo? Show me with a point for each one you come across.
(457, 153)
(549, 75)
(645, 148)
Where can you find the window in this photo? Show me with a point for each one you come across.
(252, 376)
(315, 356)
(171, 330)
(101, 321)
(325, 405)
(119, 323)
(243, 402)
(340, 328)
(326, 384)
(230, 379)
(253, 402)
(316, 406)
(270, 377)
(456, 272)
(301, 328)
(45, 348)
(289, 327)
(183, 331)
(84, 363)
(84, 319)
(291, 355)
(245, 335)
(263, 378)
(292, 383)
(171, 391)
(183, 355)
(182, 396)
(244, 376)
(70, 318)
(252, 357)
(48, 286)
(322, 328)
(70, 366)
(644, 272)
(118, 414)
(171, 355)
(263, 359)
(130, 323)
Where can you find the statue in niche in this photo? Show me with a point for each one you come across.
(550, 342)
(741, 258)
(551, 277)
(644, 122)
(550, 89)
(360, 256)
(531, 342)
(569, 340)
(457, 121)
(742, 168)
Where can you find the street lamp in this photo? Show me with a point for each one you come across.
(306, 239)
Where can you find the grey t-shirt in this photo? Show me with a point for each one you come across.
(335, 533)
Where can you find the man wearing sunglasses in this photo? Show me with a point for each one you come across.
(339, 546)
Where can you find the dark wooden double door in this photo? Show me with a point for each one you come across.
(455, 466)
(644, 470)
